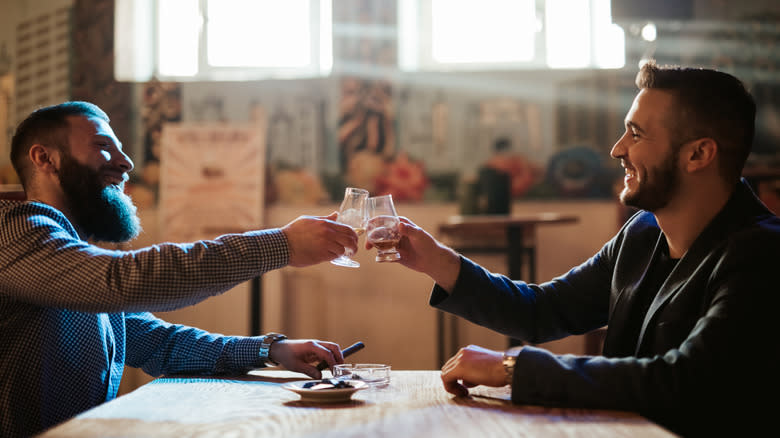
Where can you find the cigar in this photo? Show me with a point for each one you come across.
(357, 346)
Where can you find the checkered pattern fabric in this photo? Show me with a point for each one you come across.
(73, 314)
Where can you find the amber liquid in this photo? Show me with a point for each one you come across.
(359, 231)
(384, 245)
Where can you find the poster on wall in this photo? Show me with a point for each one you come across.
(211, 179)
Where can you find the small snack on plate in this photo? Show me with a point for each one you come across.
(327, 384)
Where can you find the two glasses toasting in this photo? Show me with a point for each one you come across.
(377, 217)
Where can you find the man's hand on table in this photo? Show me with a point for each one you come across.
(473, 366)
(303, 355)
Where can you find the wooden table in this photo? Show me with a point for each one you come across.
(511, 235)
(413, 405)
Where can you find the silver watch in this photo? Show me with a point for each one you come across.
(510, 358)
(265, 347)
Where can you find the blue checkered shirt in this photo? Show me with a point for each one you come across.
(73, 314)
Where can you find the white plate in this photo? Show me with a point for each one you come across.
(336, 395)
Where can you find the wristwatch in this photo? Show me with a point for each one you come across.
(510, 358)
(265, 347)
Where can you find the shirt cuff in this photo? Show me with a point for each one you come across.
(439, 294)
(247, 353)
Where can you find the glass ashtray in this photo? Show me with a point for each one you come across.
(375, 374)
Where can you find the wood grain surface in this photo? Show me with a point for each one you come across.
(414, 404)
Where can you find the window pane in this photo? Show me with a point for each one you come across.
(568, 33)
(483, 30)
(609, 40)
(259, 33)
(326, 37)
(178, 30)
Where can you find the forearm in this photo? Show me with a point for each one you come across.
(159, 348)
(157, 278)
(533, 313)
(445, 268)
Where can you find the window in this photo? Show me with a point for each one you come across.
(223, 39)
(508, 34)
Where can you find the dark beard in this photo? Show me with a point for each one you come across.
(659, 187)
(101, 213)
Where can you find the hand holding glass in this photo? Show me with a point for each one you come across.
(382, 228)
(353, 213)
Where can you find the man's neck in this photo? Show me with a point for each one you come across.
(689, 213)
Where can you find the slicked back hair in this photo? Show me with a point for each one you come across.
(48, 126)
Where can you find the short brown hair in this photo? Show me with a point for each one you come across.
(710, 104)
(47, 126)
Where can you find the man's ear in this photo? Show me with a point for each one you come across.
(700, 154)
(44, 159)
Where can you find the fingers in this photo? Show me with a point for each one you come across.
(312, 240)
(472, 366)
(303, 355)
(452, 385)
(335, 350)
(450, 378)
(310, 370)
(338, 357)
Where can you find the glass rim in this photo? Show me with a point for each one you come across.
(364, 366)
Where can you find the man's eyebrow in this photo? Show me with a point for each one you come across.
(634, 126)
(108, 139)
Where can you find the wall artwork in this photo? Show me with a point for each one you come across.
(207, 170)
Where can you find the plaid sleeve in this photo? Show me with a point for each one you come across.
(159, 347)
(43, 262)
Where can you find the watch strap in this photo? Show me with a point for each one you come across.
(509, 361)
(265, 347)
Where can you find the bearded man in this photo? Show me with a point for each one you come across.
(73, 314)
(686, 288)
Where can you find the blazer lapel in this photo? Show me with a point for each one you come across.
(739, 207)
(622, 310)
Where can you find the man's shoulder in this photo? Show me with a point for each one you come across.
(17, 216)
(641, 222)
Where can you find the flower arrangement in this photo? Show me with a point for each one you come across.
(522, 172)
(404, 178)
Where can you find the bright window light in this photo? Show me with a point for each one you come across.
(611, 45)
(609, 40)
(177, 46)
(226, 39)
(326, 37)
(259, 33)
(525, 34)
(482, 31)
(568, 33)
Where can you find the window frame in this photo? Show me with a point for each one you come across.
(416, 52)
(137, 35)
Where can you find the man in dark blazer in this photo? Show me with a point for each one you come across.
(686, 288)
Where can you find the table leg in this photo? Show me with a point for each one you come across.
(256, 301)
(440, 337)
(518, 250)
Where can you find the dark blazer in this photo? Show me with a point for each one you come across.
(706, 352)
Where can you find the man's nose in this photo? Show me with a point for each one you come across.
(124, 161)
(618, 150)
